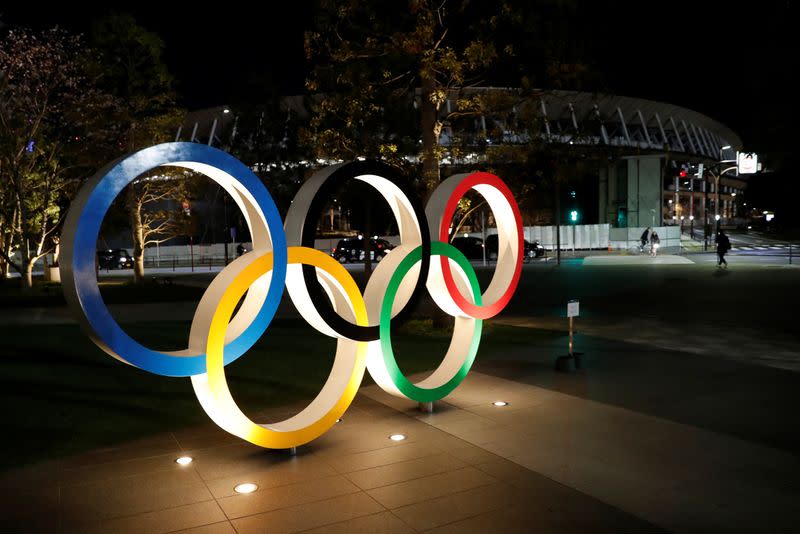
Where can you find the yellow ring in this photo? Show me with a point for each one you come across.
(212, 387)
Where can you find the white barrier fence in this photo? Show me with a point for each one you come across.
(578, 236)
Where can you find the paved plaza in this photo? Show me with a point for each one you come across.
(683, 426)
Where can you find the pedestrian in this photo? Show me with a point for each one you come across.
(655, 242)
(644, 237)
(723, 246)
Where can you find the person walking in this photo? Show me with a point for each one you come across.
(655, 242)
(723, 246)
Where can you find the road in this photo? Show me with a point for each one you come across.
(754, 244)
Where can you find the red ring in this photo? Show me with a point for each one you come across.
(491, 309)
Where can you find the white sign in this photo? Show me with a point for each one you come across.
(747, 162)
(572, 308)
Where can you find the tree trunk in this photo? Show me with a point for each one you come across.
(430, 165)
(5, 248)
(137, 231)
(368, 242)
(27, 277)
(430, 139)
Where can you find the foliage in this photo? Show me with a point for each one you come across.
(130, 58)
(384, 71)
(51, 130)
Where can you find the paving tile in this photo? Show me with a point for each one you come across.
(526, 519)
(204, 437)
(131, 495)
(434, 512)
(30, 510)
(401, 471)
(506, 520)
(223, 527)
(382, 523)
(169, 520)
(471, 454)
(421, 489)
(525, 479)
(382, 456)
(240, 458)
(290, 470)
(30, 479)
(110, 470)
(265, 500)
(140, 448)
(309, 516)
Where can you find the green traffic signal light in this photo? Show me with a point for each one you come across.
(573, 216)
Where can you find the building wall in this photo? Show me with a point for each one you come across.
(644, 190)
(630, 192)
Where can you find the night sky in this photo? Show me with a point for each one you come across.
(729, 63)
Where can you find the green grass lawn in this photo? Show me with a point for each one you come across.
(114, 291)
(63, 395)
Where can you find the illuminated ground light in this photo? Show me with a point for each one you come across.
(184, 460)
(500, 403)
(247, 487)
(397, 437)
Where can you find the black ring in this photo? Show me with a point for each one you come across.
(319, 298)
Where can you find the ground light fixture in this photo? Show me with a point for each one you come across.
(500, 403)
(247, 487)
(397, 437)
(184, 460)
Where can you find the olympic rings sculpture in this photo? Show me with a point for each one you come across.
(321, 289)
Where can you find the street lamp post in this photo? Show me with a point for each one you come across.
(716, 193)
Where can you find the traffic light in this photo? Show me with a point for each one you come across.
(573, 216)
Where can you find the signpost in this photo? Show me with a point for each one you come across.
(570, 362)
(573, 309)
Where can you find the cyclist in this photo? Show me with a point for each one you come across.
(655, 242)
(644, 239)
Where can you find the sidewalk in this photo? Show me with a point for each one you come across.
(624, 445)
(687, 426)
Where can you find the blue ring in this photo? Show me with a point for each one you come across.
(88, 227)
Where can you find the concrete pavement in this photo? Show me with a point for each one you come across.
(686, 424)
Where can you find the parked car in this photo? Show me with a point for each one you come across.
(532, 250)
(471, 247)
(351, 249)
(117, 258)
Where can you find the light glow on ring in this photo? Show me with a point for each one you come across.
(336, 395)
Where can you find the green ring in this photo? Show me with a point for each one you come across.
(400, 381)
